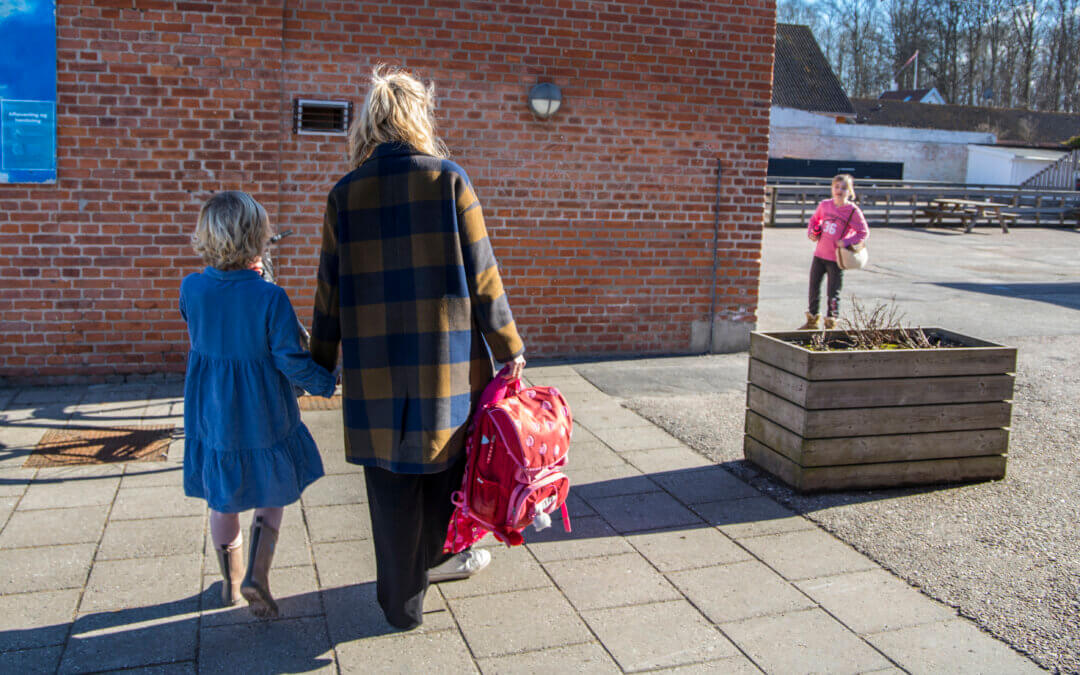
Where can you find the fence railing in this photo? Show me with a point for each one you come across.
(1063, 174)
(883, 202)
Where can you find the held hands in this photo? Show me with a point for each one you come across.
(336, 374)
(516, 366)
(812, 237)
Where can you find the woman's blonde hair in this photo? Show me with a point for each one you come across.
(233, 229)
(849, 180)
(398, 108)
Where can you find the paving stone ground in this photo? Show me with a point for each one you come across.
(673, 565)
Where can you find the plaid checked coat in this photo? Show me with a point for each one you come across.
(409, 287)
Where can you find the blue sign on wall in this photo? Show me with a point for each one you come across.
(27, 91)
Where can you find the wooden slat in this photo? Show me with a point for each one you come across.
(877, 421)
(873, 449)
(886, 474)
(831, 394)
(784, 355)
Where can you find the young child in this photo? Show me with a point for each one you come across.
(245, 446)
(836, 222)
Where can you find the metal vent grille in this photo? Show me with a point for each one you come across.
(321, 117)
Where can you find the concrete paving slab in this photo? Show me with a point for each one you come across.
(41, 661)
(345, 563)
(611, 581)
(624, 439)
(131, 638)
(804, 642)
(631, 635)
(338, 523)
(496, 626)
(74, 486)
(661, 460)
(649, 511)
(30, 620)
(578, 507)
(591, 455)
(511, 569)
(294, 588)
(7, 507)
(15, 456)
(126, 584)
(152, 538)
(45, 568)
(580, 434)
(54, 526)
(139, 503)
(607, 416)
(708, 484)
(752, 517)
(13, 482)
(569, 386)
(735, 665)
(610, 481)
(952, 646)
(353, 613)
(437, 652)
(153, 474)
(874, 601)
(807, 554)
(289, 646)
(334, 463)
(537, 373)
(590, 537)
(335, 490)
(582, 658)
(738, 591)
(681, 549)
(185, 668)
(36, 396)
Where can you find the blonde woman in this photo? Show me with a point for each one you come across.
(244, 444)
(836, 222)
(409, 288)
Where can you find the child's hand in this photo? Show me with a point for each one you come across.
(812, 237)
(336, 374)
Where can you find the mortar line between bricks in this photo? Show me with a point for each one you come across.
(86, 581)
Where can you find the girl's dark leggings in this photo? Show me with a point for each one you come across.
(818, 269)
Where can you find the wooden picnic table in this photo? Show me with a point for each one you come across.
(968, 211)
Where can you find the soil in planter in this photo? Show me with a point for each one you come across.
(884, 340)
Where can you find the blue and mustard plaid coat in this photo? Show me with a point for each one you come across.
(409, 287)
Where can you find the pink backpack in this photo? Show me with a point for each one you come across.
(516, 447)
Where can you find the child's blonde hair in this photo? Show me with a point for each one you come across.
(233, 229)
(848, 180)
(398, 108)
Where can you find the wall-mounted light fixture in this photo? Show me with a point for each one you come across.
(544, 100)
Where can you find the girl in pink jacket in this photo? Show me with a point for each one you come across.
(836, 222)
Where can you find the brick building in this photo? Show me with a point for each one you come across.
(611, 230)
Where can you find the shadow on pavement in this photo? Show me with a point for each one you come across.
(1065, 294)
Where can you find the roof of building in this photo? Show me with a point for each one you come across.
(906, 94)
(1028, 128)
(802, 77)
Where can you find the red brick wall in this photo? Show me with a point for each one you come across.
(602, 217)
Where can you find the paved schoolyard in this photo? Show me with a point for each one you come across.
(674, 564)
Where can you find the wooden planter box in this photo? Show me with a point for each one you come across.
(884, 418)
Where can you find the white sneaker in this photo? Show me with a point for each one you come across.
(461, 566)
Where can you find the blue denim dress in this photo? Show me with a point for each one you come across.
(244, 444)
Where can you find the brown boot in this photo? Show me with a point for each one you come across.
(813, 322)
(830, 322)
(256, 586)
(231, 561)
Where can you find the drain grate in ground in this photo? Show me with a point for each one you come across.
(308, 402)
(72, 447)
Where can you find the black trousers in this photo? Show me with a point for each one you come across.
(818, 269)
(409, 517)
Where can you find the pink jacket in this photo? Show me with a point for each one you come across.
(831, 219)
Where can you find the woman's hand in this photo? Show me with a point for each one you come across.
(515, 368)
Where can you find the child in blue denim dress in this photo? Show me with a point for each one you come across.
(245, 446)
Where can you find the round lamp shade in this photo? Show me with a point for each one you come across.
(544, 99)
